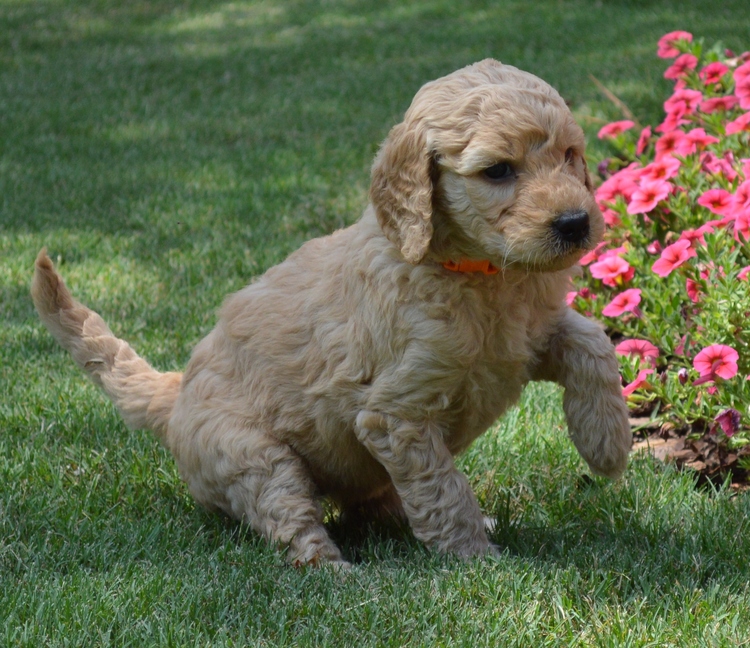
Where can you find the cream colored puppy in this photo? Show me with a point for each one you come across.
(359, 366)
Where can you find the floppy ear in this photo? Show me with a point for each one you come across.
(401, 190)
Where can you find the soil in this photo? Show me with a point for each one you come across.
(694, 448)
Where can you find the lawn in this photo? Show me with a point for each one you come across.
(166, 153)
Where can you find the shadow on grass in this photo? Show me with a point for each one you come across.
(596, 536)
(652, 535)
(656, 532)
(646, 552)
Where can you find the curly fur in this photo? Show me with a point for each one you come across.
(357, 368)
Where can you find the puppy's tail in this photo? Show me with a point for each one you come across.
(144, 396)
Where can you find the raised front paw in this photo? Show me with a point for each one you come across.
(600, 430)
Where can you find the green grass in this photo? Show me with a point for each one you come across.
(166, 152)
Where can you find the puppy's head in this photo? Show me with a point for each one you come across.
(487, 164)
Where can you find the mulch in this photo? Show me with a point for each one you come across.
(693, 448)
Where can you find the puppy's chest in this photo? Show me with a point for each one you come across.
(506, 329)
(510, 333)
(500, 368)
(487, 391)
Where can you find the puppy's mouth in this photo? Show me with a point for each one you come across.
(553, 257)
(559, 258)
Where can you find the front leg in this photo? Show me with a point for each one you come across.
(436, 497)
(581, 358)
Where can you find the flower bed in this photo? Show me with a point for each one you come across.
(671, 279)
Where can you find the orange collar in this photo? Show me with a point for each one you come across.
(467, 265)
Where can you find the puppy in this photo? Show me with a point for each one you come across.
(357, 368)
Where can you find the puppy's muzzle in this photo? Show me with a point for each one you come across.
(572, 227)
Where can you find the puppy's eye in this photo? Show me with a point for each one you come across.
(569, 154)
(499, 171)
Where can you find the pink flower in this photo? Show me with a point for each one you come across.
(683, 102)
(719, 201)
(706, 270)
(680, 84)
(713, 72)
(673, 256)
(742, 123)
(611, 217)
(618, 251)
(623, 183)
(742, 274)
(640, 382)
(700, 138)
(615, 128)
(697, 235)
(722, 165)
(742, 226)
(665, 168)
(742, 73)
(612, 270)
(742, 196)
(720, 222)
(716, 361)
(682, 144)
(648, 195)
(593, 255)
(583, 293)
(672, 122)
(719, 103)
(666, 48)
(682, 65)
(654, 247)
(693, 290)
(642, 349)
(729, 421)
(742, 85)
(669, 143)
(643, 140)
(626, 301)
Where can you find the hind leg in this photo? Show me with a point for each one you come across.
(276, 496)
(255, 478)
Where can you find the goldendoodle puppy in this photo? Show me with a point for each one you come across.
(359, 366)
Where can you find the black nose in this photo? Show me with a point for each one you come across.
(572, 226)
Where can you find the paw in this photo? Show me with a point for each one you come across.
(319, 562)
(482, 550)
(315, 549)
(466, 547)
(494, 552)
(607, 445)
